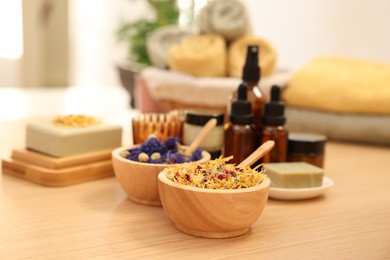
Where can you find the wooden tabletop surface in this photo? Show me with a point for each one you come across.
(96, 220)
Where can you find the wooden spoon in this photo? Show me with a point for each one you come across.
(206, 129)
(256, 155)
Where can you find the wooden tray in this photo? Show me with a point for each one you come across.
(57, 177)
(47, 161)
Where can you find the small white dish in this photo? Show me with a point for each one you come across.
(301, 193)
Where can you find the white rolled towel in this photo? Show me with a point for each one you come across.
(159, 42)
(228, 18)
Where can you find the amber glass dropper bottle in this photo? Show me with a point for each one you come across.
(274, 129)
(240, 134)
(251, 75)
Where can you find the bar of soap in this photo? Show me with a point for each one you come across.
(294, 174)
(61, 141)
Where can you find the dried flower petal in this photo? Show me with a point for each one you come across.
(216, 174)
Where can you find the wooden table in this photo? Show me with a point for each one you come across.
(96, 220)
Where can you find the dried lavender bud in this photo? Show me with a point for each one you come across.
(153, 145)
(171, 143)
(197, 155)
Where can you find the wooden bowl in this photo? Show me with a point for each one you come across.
(212, 213)
(138, 179)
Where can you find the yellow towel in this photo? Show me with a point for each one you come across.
(237, 54)
(341, 85)
(200, 55)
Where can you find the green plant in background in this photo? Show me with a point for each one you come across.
(134, 33)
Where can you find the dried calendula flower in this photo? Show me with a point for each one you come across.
(75, 120)
(215, 174)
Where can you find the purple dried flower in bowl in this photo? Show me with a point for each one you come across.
(169, 152)
(139, 179)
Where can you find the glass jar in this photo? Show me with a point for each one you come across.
(195, 120)
(306, 147)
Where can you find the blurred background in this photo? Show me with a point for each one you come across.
(73, 42)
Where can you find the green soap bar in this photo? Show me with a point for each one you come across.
(294, 175)
(61, 141)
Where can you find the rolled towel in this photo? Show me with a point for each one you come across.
(237, 54)
(341, 85)
(340, 126)
(200, 55)
(228, 18)
(160, 40)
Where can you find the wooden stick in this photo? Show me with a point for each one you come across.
(256, 155)
(201, 136)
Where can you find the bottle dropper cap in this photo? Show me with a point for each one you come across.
(274, 110)
(241, 112)
(251, 70)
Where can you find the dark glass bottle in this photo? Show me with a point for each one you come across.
(240, 134)
(274, 129)
(251, 76)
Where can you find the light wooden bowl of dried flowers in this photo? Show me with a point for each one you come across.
(226, 207)
(139, 178)
(137, 167)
